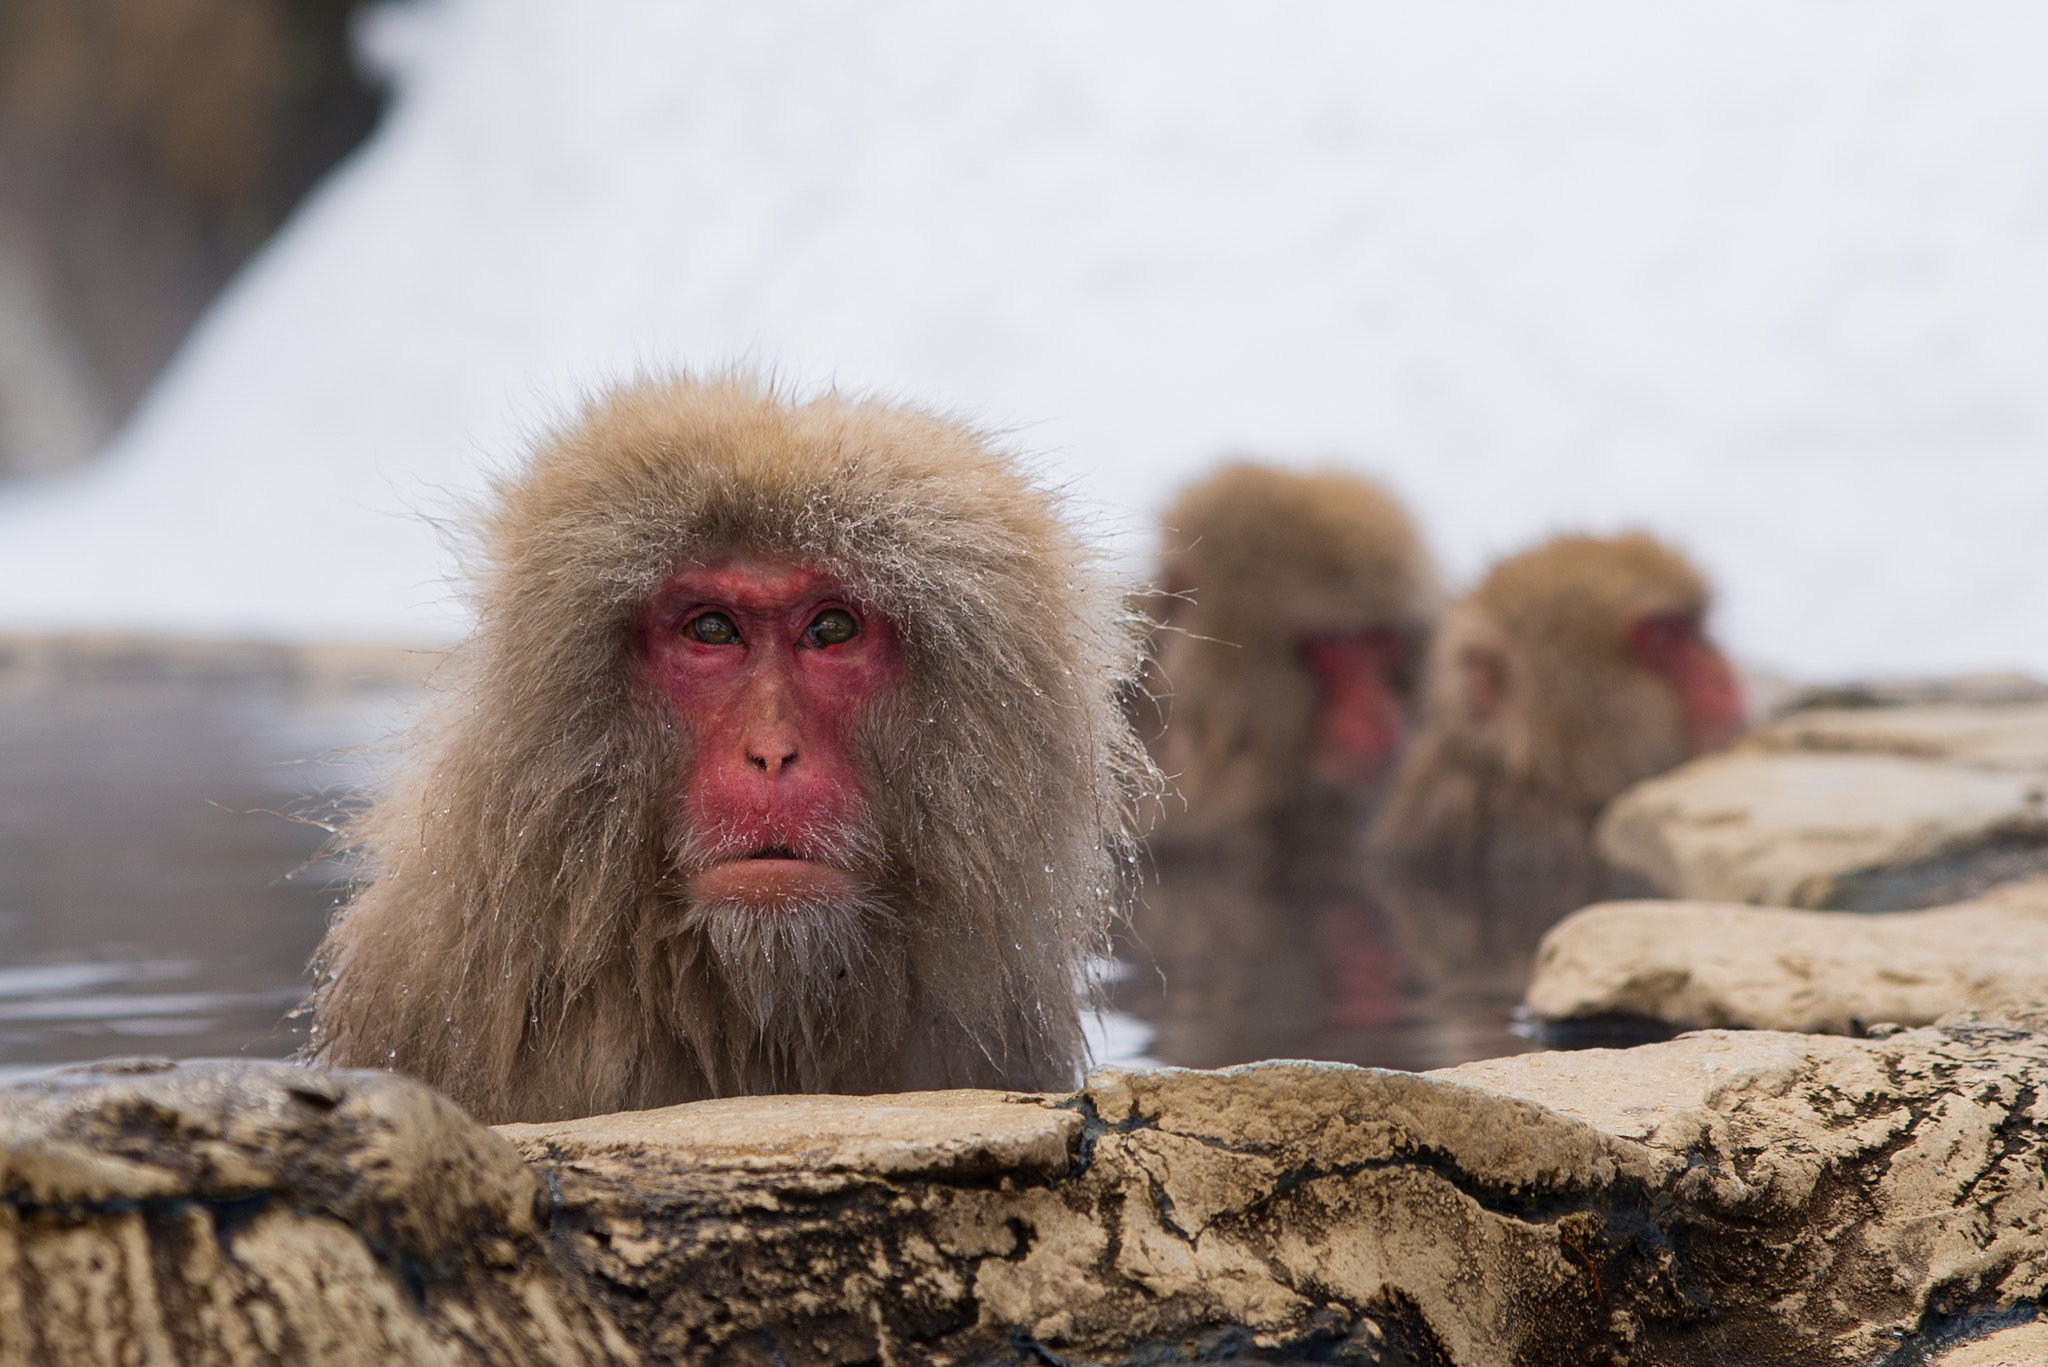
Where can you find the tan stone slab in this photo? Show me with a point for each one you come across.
(1771, 1199)
(1969, 690)
(1692, 965)
(1634, 1093)
(242, 1213)
(1786, 826)
(1897, 1156)
(956, 1133)
(1269, 1208)
(2019, 1345)
(2013, 736)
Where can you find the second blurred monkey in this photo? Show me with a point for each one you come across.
(1571, 671)
(1296, 610)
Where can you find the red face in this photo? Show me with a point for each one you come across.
(1674, 646)
(1359, 720)
(769, 668)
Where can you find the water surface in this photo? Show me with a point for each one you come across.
(154, 895)
(157, 895)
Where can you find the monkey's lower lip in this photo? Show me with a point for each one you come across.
(771, 881)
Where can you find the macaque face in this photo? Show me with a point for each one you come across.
(1360, 677)
(1674, 645)
(769, 668)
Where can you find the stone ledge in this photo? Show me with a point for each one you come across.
(961, 1134)
(2018, 1345)
(1857, 808)
(1756, 1197)
(255, 1212)
(1693, 965)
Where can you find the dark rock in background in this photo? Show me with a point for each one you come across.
(147, 147)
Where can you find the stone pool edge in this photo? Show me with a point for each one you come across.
(1747, 1196)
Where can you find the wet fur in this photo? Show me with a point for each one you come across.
(519, 938)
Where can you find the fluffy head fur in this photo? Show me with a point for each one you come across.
(1255, 561)
(1536, 716)
(519, 937)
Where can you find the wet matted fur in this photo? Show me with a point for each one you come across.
(519, 936)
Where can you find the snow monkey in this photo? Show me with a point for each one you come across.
(787, 755)
(1295, 610)
(1572, 671)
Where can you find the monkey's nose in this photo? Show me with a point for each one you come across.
(771, 757)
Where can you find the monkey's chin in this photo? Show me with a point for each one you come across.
(769, 886)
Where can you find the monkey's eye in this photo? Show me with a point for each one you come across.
(832, 627)
(712, 628)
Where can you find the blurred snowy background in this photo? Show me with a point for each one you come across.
(1768, 278)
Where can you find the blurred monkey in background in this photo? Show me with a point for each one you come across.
(1572, 671)
(1295, 611)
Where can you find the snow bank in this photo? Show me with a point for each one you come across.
(1769, 278)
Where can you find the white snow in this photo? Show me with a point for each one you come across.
(1768, 278)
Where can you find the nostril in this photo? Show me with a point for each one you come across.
(772, 760)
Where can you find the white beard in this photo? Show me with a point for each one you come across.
(821, 982)
(795, 971)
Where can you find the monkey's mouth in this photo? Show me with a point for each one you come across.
(773, 878)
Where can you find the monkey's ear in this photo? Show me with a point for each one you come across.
(1486, 679)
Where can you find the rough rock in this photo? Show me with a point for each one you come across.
(1841, 1201)
(254, 1212)
(1875, 808)
(1266, 1210)
(1752, 1197)
(1689, 965)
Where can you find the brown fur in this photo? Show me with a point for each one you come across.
(1517, 780)
(1256, 560)
(518, 939)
